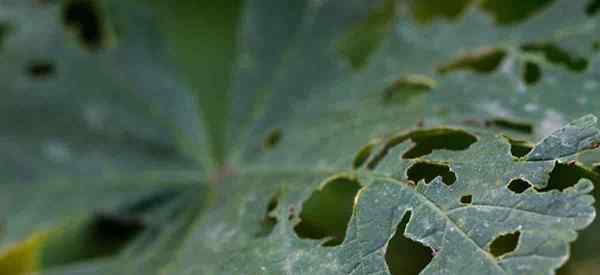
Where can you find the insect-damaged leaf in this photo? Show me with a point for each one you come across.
(288, 97)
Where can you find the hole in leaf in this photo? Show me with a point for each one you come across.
(269, 221)
(519, 148)
(518, 185)
(405, 88)
(327, 212)
(363, 155)
(557, 56)
(40, 69)
(511, 125)
(513, 11)
(85, 18)
(531, 73)
(428, 140)
(272, 139)
(505, 244)
(592, 7)
(429, 171)
(485, 60)
(466, 199)
(426, 11)
(565, 175)
(405, 256)
(362, 40)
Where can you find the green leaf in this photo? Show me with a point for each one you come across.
(336, 137)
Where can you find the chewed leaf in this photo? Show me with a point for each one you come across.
(579, 135)
(312, 137)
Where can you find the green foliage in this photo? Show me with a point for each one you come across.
(299, 137)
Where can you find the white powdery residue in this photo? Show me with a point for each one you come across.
(552, 121)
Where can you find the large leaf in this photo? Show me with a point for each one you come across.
(330, 126)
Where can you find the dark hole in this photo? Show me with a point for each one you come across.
(425, 11)
(429, 171)
(327, 212)
(405, 256)
(516, 126)
(272, 139)
(565, 175)
(519, 148)
(84, 17)
(592, 7)
(403, 89)
(362, 156)
(505, 244)
(483, 61)
(40, 69)
(557, 56)
(513, 11)
(466, 199)
(518, 185)
(531, 73)
(269, 221)
(428, 140)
